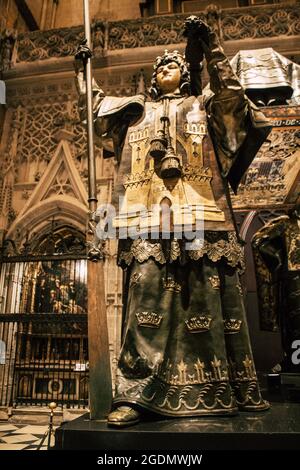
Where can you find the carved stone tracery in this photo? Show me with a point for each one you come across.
(7, 41)
(39, 45)
(261, 22)
(238, 23)
(267, 180)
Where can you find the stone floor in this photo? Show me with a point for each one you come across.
(23, 437)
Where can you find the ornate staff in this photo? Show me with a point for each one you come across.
(99, 360)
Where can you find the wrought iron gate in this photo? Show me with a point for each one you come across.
(43, 329)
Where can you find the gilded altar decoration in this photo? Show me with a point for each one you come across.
(292, 238)
(53, 287)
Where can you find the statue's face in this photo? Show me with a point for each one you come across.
(168, 77)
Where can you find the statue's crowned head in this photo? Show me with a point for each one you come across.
(170, 73)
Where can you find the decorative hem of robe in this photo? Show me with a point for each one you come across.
(186, 349)
(212, 398)
(215, 245)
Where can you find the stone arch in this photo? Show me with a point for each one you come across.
(60, 193)
(38, 217)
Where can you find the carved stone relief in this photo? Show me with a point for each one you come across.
(275, 169)
(255, 22)
(264, 22)
(7, 41)
(39, 45)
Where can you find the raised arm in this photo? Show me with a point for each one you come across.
(238, 128)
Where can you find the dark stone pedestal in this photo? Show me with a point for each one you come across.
(278, 428)
(283, 387)
(290, 386)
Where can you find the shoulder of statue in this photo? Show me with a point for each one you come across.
(115, 104)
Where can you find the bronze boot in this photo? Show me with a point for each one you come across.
(123, 416)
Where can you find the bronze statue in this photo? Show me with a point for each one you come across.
(276, 248)
(186, 349)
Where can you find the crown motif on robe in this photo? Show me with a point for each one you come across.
(148, 319)
(198, 324)
(171, 285)
(232, 326)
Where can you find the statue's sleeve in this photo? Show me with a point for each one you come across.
(268, 254)
(112, 116)
(237, 126)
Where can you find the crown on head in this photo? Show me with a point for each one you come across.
(164, 59)
(167, 57)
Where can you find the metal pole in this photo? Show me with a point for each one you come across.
(89, 106)
(100, 387)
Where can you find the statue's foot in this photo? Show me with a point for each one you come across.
(123, 416)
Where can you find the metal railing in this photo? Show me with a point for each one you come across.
(43, 332)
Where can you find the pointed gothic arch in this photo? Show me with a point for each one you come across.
(60, 193)
(39, 216)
